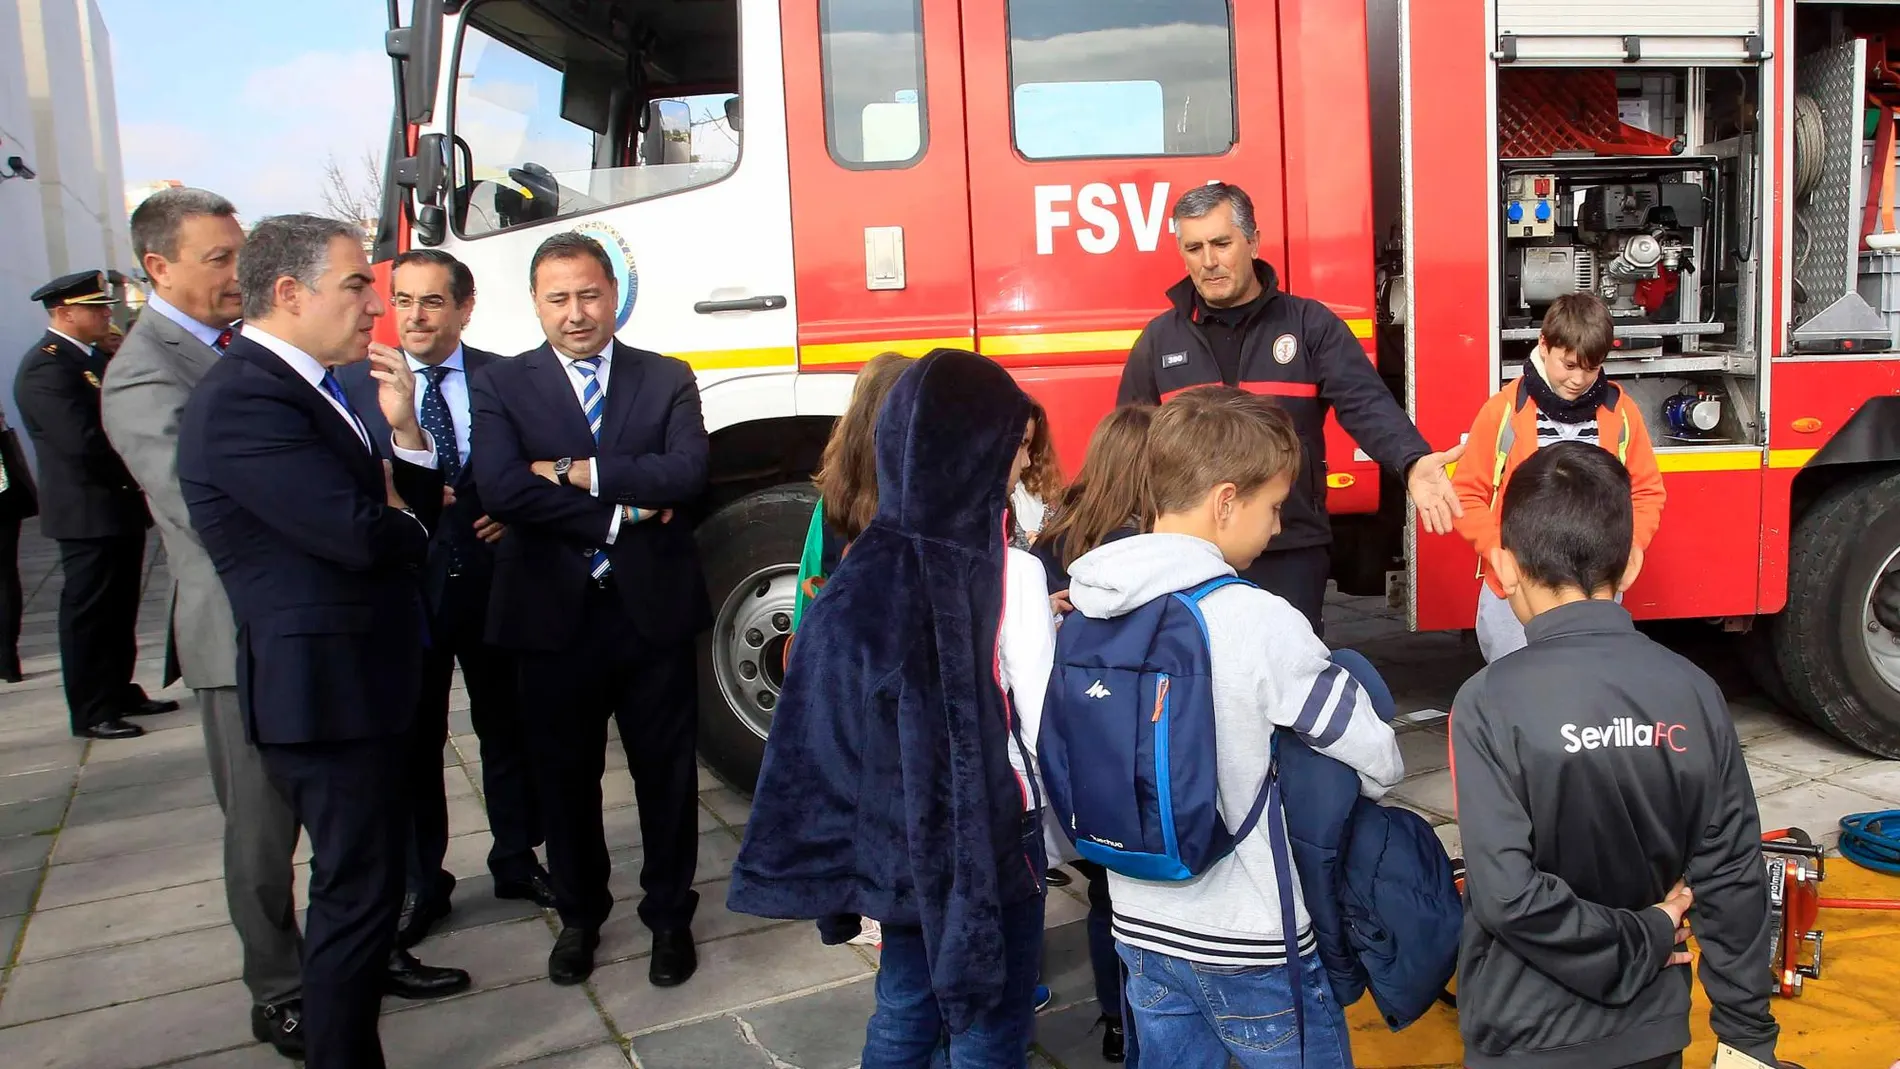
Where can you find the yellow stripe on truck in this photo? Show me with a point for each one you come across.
(858, 352)
(1085, 341)
(736, 359)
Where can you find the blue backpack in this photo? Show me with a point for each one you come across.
(1127, 741)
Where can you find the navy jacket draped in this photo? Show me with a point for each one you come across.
(886, 789)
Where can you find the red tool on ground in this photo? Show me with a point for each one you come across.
(1796, 867)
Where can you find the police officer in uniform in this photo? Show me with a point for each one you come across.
(90, 505)
(1231, 323)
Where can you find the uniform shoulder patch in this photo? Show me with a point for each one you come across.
(1174, 359)
(1285, 348)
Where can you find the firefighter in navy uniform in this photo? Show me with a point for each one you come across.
(1230, 323)
(90, 505)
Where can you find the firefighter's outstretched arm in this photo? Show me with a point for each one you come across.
(1368, 411)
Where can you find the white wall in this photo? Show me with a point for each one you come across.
(57, 112)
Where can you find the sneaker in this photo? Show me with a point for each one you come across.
(1044, 997)
(870, 934)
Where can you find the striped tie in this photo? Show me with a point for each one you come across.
(593, 403)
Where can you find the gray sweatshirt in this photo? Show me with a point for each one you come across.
(1269, 671)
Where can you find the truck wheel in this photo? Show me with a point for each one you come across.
(750, 552)
(1840, 666)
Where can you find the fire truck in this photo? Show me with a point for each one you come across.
(789, 187)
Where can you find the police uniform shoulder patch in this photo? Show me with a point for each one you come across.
(1285, 348)
(1173, 360)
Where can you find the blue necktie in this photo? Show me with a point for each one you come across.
(593, 405)
(335, 389)
(441, 428)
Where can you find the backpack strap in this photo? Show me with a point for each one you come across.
(1283, 877)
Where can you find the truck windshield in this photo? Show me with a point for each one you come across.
(551, 120)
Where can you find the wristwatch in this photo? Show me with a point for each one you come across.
(561, 467)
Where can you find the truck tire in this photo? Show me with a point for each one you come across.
(1841, 668)
(750, 551)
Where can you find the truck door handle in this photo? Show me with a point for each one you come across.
(748, 304)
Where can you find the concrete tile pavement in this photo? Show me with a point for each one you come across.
(116, 953)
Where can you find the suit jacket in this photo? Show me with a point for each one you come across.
(653, 453)
(146, 387)
(320, 571)
(454, 537)
(85, 490)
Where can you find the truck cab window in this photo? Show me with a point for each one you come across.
(874, 81)
(1104, 78)
(550, 121)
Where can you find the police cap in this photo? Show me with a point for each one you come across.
(80, 287)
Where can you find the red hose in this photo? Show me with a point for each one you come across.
(1860, 903)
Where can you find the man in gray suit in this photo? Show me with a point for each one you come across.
(187, 240)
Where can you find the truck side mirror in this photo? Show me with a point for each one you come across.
(418, 46)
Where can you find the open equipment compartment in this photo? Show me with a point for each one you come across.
(1642, 186)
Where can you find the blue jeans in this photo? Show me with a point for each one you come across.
(906, 1030)
(1198, 1016)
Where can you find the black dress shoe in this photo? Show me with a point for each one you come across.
(1114, 1042)
(572, 959)
(409, 978)
(674, 958)
(152, 707)
(10, 671)
(535, 888)
(417, 918)
(280, 1025)
(1056, 878)
(113, 729)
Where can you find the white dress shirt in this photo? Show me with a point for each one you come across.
(578, 381)
(307, 367)
(454, 391)
(82, 345)
(208, 335)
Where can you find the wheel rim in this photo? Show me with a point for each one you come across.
(1881, 645)
(749, 639)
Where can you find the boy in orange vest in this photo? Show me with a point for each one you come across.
(1562, 396)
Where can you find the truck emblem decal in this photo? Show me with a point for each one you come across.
(626, 275)
(1285, 348)
(1174, 360)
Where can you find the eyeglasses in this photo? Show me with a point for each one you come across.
(431, 303)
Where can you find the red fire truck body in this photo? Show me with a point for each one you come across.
(789, 187)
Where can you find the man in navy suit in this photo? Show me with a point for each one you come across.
(434, 296)
(317, 543)
(582, 447)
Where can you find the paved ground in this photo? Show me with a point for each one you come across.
(118, 954)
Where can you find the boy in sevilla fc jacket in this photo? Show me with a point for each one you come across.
(1601, 793)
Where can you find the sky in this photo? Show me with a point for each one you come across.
(249, 99)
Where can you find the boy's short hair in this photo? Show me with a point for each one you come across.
(1567, 517)
(1217, 434)
(1580, 323)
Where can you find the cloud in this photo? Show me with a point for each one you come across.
(265, 145)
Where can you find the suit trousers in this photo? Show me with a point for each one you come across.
(650, 692)
(260, 841)
(12, 600)
(1299, 576)
(98, 626)
(349, 797)
(514, 812)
